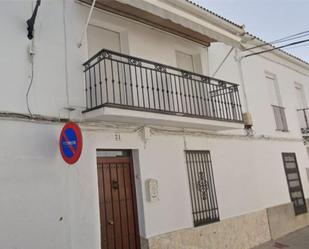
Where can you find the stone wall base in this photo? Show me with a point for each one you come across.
(282, 220)
(242, 232)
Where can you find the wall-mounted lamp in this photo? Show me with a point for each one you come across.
(31, 21)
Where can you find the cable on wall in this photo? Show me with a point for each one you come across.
(30, 27)
(30, 83)
(87, 23)
(200, 133)
(127, 128)
(65, 53)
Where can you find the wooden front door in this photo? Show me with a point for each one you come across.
(118, 212)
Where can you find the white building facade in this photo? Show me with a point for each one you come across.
(159, 89)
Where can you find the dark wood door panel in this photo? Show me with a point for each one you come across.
(118, 212)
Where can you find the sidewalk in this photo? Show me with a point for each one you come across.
(296, 240)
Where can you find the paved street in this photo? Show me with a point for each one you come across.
(296, 240)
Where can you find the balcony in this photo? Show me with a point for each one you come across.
(123, 88)
(303, 117)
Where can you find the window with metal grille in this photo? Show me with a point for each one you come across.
(294, 183)
(202, 188)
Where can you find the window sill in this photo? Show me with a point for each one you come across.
(285, 131)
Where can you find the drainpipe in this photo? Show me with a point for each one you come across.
(247, 117)
(238, 59)
(86, 25)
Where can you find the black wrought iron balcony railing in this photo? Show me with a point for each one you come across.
(117, 80)
(303, 117)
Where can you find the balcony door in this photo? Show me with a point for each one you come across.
(185, 61)
(302, 110)
(99, 38)
(301, 101)
(196, 95)
(108, 76)
(276, 102)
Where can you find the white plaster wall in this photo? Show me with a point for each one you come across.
(34, 188)
(48, 95)
(37, 188)
(254, 70)
(249, 176)
(44, 203)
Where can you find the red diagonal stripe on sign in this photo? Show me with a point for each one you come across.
(68, 143)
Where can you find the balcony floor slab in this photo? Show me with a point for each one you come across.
(114, 114)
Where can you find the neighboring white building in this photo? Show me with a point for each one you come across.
(166, 161)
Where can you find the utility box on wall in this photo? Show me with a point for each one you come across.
(152, 190)
(247, 117)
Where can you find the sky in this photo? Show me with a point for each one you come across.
(267, 19)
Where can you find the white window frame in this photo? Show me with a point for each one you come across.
(278, 109)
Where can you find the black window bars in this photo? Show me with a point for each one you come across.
(294, 183)
(202, 188)
(117, 80)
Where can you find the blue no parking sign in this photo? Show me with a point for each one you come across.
(71, 143)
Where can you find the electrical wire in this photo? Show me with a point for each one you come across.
(221, 64)
(65, 52)
(126, 128)
(299, 46)
(281, 40)
(276, 48)
(30, 85)
(200, 133)
(293, 38)
(31, 54)
(30, 118)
